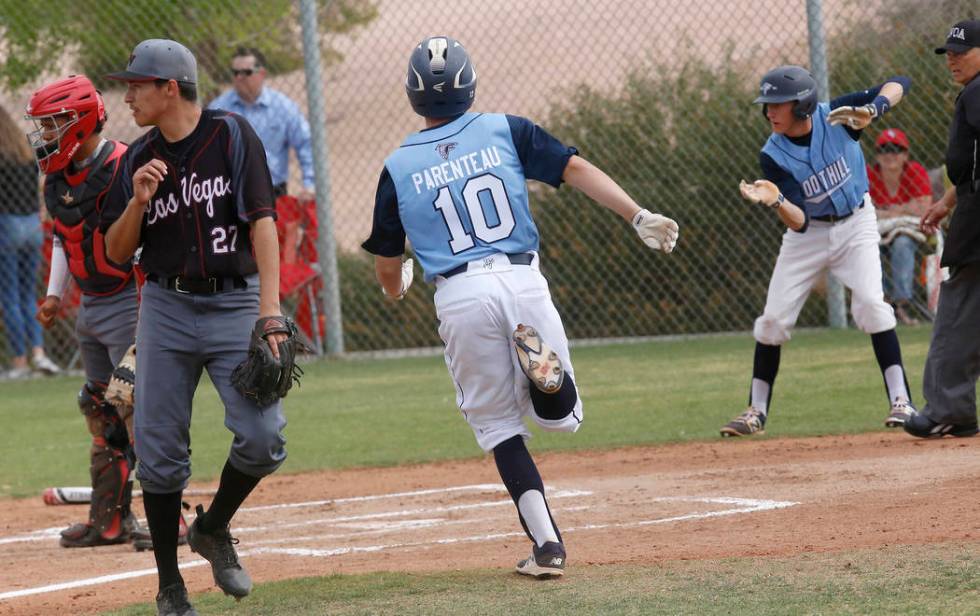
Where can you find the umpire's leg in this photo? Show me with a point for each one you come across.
(953, 364)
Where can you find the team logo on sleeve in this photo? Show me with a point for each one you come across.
(445, 148)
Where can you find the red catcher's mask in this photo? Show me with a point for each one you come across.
(64, 114)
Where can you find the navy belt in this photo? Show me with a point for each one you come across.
(520, 258)
(835, 217)
(199, 286)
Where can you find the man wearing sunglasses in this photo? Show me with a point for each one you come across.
(900, 190)
(953, 363)
(276, 118)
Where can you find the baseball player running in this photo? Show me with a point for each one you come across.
(195, 192)
(68, 116)
(816, 182)
(457, 190)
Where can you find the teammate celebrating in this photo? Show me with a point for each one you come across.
(458, 191)
(80, 164)
(195, 192)
(816, 182)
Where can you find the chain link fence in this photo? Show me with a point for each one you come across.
(656, 92)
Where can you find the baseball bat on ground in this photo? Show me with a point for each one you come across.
(81, 495)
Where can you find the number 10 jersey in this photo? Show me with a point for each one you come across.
(459, 193)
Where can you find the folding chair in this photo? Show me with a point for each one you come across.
(300, 284)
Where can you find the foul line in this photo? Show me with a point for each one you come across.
(54, 531)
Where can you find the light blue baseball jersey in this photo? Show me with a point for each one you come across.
(830, 170)
(458, 191)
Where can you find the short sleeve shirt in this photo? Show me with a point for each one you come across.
(197, 222)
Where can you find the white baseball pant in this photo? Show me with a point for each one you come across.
(478, 311)
(849, 250)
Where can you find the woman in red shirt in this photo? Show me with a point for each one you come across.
(899, 187)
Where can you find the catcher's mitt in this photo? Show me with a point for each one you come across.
(119, 392)
(261, 377)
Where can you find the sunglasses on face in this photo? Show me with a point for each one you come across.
(247, 72)
(891, 148)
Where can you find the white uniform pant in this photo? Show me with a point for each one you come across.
(849, 250)
(478, 311)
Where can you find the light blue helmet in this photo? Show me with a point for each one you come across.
(441, 79)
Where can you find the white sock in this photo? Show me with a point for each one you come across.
(535, 513)
(895, 382)
(760, 395)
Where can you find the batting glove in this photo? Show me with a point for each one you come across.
(408, 274)
(761, 191)
(858, 118)
(656, 231)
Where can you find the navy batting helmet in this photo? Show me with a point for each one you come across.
(441, 79)
(789, 83)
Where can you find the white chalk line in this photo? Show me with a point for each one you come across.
(479, 487)
(55, 531)
(748, 505)
(553, 494)
(742, 506)
(424, 523)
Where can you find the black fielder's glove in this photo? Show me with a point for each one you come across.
(261, 377)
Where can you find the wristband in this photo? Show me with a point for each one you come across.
(881, 105)
(778, 202)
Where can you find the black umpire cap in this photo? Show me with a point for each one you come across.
(159, 59)
(962, 37)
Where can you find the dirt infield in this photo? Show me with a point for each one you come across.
(642, 505)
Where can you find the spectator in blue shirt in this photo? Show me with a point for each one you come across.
(274, 116)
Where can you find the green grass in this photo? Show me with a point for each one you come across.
(396, 411)
(935, 579)
(389, 412)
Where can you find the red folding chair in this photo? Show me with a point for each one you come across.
(300, 283)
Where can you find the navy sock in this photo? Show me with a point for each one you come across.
(888, 352)
(233, 489)
(163, 518)
(557, 405)
(765, 366)
(519, 474)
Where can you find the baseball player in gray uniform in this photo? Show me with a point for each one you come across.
(195, 193)
(79, 165)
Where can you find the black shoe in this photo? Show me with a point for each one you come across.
(172, 601)
(218, 547)
(921, 426)
(544, 562)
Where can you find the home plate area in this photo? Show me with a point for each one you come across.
(417, 520)
(391, 529)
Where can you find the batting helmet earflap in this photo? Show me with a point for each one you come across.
(65, 113)
(789, 83)
(441, 79)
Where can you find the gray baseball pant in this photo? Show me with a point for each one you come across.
(179, 336)
(949, 384)
(105, 329)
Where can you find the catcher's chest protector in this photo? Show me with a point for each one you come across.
(74, 203)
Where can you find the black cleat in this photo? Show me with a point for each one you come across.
(544, 562)
(921, 426)
(172, 601)
(218, 547)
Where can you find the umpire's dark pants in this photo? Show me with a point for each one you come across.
(953, 365)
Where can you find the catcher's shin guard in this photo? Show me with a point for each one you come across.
(110, 519)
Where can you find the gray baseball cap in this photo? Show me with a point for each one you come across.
(159, 59)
